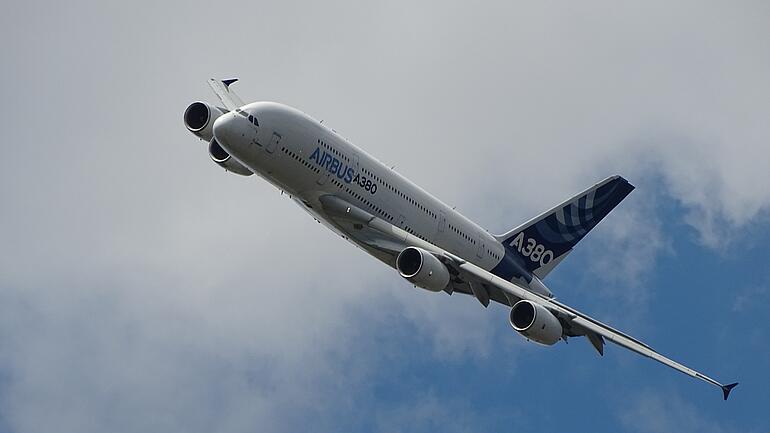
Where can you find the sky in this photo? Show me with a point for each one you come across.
(142, 288)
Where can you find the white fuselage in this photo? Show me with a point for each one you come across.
(307, 160)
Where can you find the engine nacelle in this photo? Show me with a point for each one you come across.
(535, 322)
(224, 160)
(422, 269)
(199, 119)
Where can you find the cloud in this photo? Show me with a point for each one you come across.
(750, 298)
(652, 412)
(143, 289)
(626, 248)
(427, 412)
(446, 320)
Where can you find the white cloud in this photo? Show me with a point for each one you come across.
(750, 298)
(143, 289)
(652, 412)
(626, 247)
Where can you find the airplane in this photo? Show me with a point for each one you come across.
(427, 242)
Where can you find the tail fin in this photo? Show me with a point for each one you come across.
(542, 242)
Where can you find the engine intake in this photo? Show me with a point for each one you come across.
(422, 269)
(535, 322)
(199, 119)
(224, 160)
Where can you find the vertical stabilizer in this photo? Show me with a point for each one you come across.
(541, 243)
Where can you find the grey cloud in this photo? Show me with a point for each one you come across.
(142, 288)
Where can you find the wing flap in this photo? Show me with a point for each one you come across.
(480, 292)
(596, 341)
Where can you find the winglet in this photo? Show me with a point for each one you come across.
(228, 82)
(727, 388)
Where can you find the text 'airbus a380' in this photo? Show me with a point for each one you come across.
(427, 242)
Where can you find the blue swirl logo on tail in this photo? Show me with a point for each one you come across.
(542, 241)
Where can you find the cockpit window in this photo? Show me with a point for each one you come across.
(251, 118)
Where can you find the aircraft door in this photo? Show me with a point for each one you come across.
(274, 141)
(441, 223)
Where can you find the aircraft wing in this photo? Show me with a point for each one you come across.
(579, 323)
(485, 286)
(221, 88)
(386, 241)
(366, 229)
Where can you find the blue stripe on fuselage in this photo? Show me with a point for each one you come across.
(510, 267)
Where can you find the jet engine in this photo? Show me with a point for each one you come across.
(535, 322)
(199, 119)
(422, 269)
(224, 160)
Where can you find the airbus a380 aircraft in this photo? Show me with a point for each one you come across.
(427, 242)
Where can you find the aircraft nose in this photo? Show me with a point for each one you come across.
(225, 129)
